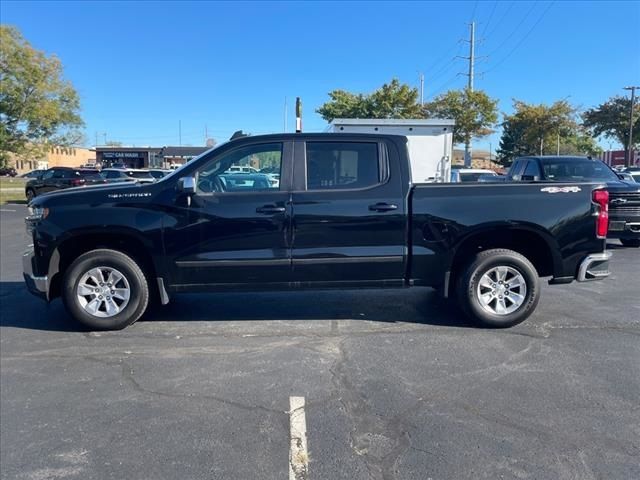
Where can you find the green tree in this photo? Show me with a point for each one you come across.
(392, 100)
(474, 112)
(579, 143)
(611, 119)
(538, 129)
(38, 107)
(512, 143)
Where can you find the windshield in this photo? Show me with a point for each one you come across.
(577, 170)
(179, 170)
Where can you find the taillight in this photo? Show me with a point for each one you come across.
(76, 182)
(601, 197)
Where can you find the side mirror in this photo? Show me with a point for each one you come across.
(187, 185)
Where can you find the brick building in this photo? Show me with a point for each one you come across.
(56, 157)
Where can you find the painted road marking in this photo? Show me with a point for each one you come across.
(298, 456)
(7, 210)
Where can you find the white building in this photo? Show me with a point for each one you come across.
(430, 142)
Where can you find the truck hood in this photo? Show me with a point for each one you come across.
(623, 187)
(95, 194)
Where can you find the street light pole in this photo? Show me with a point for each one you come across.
(628, 155)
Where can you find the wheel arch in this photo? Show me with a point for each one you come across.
(537, 245)
(127, 242)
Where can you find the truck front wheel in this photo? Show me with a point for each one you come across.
(499, 288)
(105, 290)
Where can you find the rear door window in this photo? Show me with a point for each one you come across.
(516, 169)
(342, 165)
(531, 171)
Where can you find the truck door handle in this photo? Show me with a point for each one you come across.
(382, 207)
(269, 209)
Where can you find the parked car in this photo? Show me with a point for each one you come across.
(59, 178)
(112, 175)
(624, 197)
(491, 177)
(8, 172)
(241, 169)
(274, 175)
(470, 174)
(240, 182)
(634, 172)
(626, 176)
(159, 173)
(33, 174)
(345, 215)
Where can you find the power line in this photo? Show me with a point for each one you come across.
(446, 84)
(504, 42)
(445, 55)
(499, 22)
(473, 12)
(486, 25)
(521, 40)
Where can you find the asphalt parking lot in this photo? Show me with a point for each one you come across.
(395, 385)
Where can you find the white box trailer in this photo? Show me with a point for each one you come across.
(430, 142)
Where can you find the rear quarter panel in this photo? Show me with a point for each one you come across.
(443, 216)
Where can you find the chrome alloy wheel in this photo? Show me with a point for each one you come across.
(103, 292)
(501, 290)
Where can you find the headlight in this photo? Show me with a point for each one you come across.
(37, 213)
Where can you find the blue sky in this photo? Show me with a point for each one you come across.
(141, 68)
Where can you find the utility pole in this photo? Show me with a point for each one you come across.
(284, 128)
(472, 54)
(96, 139)
(558, 152)
(422, 89)
(468, 153)
(180, 133)
(206, 134)
(105, 137)
(490, 150)
(628, 156)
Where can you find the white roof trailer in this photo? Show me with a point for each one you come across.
(430, 142)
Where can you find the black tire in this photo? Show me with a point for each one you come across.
(467, 288)
(30, 194)
(630, 242)
(137, 283)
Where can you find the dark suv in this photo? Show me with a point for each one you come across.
(8, 171)
(624, 197)
(57, 178)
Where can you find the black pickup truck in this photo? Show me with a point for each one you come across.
(624, 197)
(344, 214)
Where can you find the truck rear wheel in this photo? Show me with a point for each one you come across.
(105, 290)
(499, 288)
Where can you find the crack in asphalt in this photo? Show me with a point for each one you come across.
(380, 441)
(127, 373)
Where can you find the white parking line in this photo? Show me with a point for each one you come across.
(298, 456)
(7, 210)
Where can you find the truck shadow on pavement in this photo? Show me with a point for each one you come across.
(18, 308)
